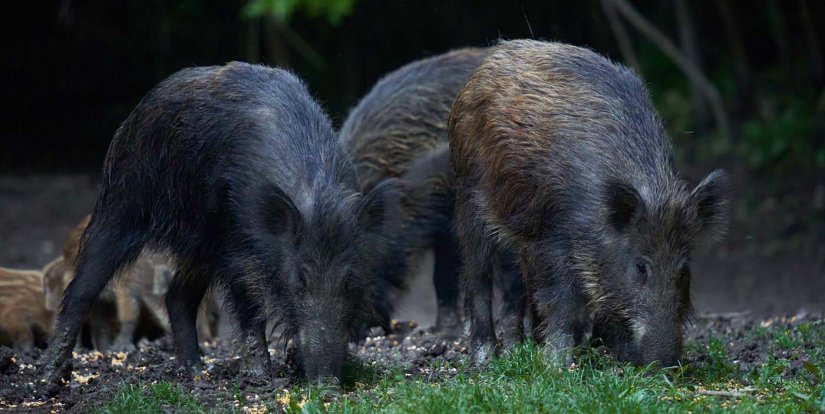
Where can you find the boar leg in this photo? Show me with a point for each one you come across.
(248, 307)
(203, 326)
(555, 300)
(513, 301)
(23, 337)
(128, 312)
(156, 306)
(110, 245)
(209, 318)
(445, 279)
(477, 256)
(100, 329)
(583, 326)
(182, 302)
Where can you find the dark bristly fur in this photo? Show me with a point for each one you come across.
(560, 156)
(398, 130)
(237, 173)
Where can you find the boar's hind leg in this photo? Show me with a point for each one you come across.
(247, 304)
(182, 302)
(477, 254)
(445, 279)
(513, 302)
(110, 245)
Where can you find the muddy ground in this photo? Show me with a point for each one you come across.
(414, 350)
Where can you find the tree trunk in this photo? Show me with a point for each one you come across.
(65, 13)
(253, 40)
(813, 42)
(277, 53)
(743, 78)
(683, 63)
(687, 39)
(164, 32)
(622, 38)
(777, 28)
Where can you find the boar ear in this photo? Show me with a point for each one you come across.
(711, 200)
(280, 214)
(625, 205)
(380, 207)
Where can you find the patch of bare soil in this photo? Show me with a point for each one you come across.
(414, 351)
(752, 340)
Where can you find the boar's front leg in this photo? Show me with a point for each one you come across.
(513, 303)
(555, 298)
(445, 279)
(477, 254)
(246, 302)
(182, 302)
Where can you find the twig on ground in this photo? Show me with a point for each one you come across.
(728, 394)
(725, 315)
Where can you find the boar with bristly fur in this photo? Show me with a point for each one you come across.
(24, 320)
(399, 129)
(237, 173)
(560, 156)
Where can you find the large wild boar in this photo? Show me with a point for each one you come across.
(399, 129)
(560, 156)
(236, 172)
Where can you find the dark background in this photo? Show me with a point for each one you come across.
(73, 70)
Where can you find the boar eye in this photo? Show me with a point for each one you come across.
(349, 282)
(642, 269)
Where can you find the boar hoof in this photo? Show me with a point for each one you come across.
(559, 353)
(255, 368)
(481, 354)
(448, 324)
(56, 373)
(330, 388)
(123, 347)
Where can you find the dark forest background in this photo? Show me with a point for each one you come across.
(740, 84)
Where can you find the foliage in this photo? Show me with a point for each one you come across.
(783, 134)
(283, 10)
(785, 139)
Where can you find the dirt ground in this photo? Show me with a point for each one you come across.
(97, 375)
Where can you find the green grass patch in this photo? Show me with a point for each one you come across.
(160, 397)
(522, 382)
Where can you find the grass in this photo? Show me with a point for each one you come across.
(152, 398)
(521, 382)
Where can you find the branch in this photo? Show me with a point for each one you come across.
(811, 36)
(728, 394)
(687, 41)
(683, 63)
(622, 38)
